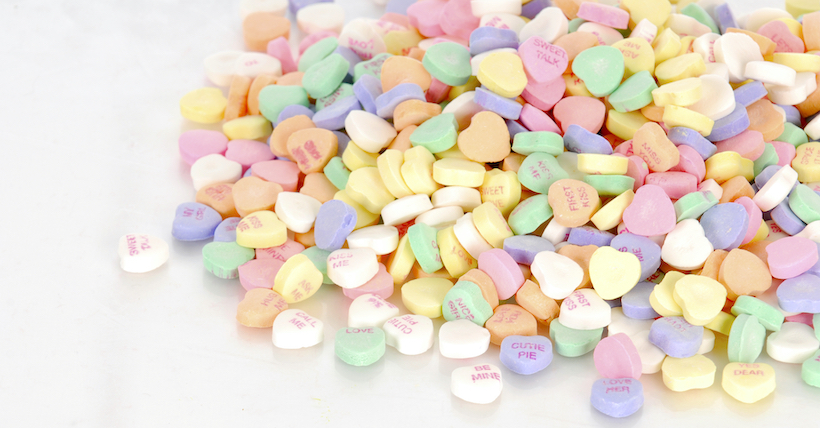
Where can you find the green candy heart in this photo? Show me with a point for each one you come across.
(805, 203)
(318, 257)
(324, 77)
(601, 68)
(529, 214)
(359, 346)
(372, 67)
(811, 370)
(574, 24)
(634, 94)
(448, 62)
(436, 134)
(317, 52)
(570, 342)
(793, 135)
(768, 158)
(527, 143)
(745, 339)
(425, 246)
(343, 91)
(274, 98)
(337, 172)
(224, 258)
(693, 205)
(539, 170)
(768, 316)
(464, 301)
(610, 185)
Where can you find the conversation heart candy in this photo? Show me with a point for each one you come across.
(617, 398)
(462, 339)
(526, 355)
(260, 307)
(480, 384)
(295, 329)
(676, 337)
(409, 334)
(297, 211)
(297, 279)
(650, 213)
(543, 62)
(464, 301)
(573, 202)
(745, 339)
(369, 310)
(683, 374)
(224, 258)
(214, 168)
(686, 246)
(584, 310)
(615, 357)
(261, 229)
(510, 320)
(259, 273)
(140, 253)
(700, 298)
(351, 268)
(794, 343)
(613, 273)
(748, 383)
(334, 222)
(557, 275)
(194, 222)
(359, 346)
(601, 68)
(571, 342)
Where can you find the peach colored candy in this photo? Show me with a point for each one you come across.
(402, 140)
(653, 112)
(748, 144)
(487, 139)
(294, 78)
(280, 252)
(586, 112)
(259, 28)
(257, 85)
(260, 307)
(413, 112)
(307, 239)
(512, 162)
(318, 186)
(485, 283)
(281, 172)
(530, 297)
(218, 196)
(573, 202)
(652, 145)
(743, 273)
(711, 267)
(312, 148)
(281, 133)
(510, 320)
(736, 187)
(569, 7)
(811, 31)
(251, 194)
(238, 97)
(763, 117)
(401, 69)
(581, 256)
(758, 248)
(812, 103)
(575, 43)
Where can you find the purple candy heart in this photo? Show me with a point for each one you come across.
(526, 354)
(617, 398)
(194, 222)
(334, 222)
(676, 337)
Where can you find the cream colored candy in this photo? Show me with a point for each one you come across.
(221, 67)
(465, 197)
(748, 383)
(769, 72)
(736, 50)
(700, 298)
(585, 310)
(683, 374)
(351, 268)
(502, 189)
(425, 296)
(214, 168)
(261, 229)
(662, 298)
(295, 329)
(259, 308)
(805, 84)
(463, 108)
(550, 24)
(686, 246)
(366, 187)
(317, 17)
(458, 172)
(613, 273)
(297, 279)
(405, 209)
(297, 211)
(382, 239)
(557, 275)
(252, 64)
(417, 170)
(611, 214)
(681, 93)
(440, 218)
(370, 132)
(573, 202)
(389, 164)
(251, 194)
(469, 237)
(491, 224)
(717, 97)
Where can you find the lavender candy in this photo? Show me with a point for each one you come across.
(645, 249)
(635, 303)
(617, 398)
(504, 107)
(682, 136)
(815, 270)
(585, 235)
(579, 140)
(792, 114)
(800, 294)
(786, 219)
(515, 128)
(333, 116)
(343, 140)
(366, 90)
(747, 94)
(725, 225)
(523, 248)
(725, 19)
(526, 355)
(334, 222)
(294, 110)
(532, 8)
(676, 337)
(386, 103)
(351, 57)
(484, 39)
(226, 231)
(194, 222)
(733, 124)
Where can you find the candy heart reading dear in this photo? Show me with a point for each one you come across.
(584, 310)
(261, 229)
(260, 307)
(462, 339)
(194, 222)
(618, 398)
(214, 168)
(794, 343)
(676, 337)
(295, 329)
(351, 268)
(613, 273)
(369, 310)
(526, 355)
(700, 298)
(224, 258)
(141, 253)
(359, 346)
(297, 211)
(615, 356)
(650, 213)
(409, 334)
(683, 374)
(748, 383)
(686, 246)
(480, 384)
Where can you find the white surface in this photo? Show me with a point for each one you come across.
(90, 124)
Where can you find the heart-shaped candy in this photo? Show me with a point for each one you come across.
(297, 279)
(464, 301)
(297, 211)
(650, 213)
(226, 231)
(295, 329)
(260, 307)
(259, 273)
(683, 374)
(701, 298)
(601, 68)
(369, 310)
(141, 253)
(526, 354)
(381, 238)
(613, 273)
(462, 339)
(409, 334)
(197, 143)
(252, 194)
(651, 356)
(194, 222)
(214, 168)
(543, 62)
(380, 285)
(479, 384)
(686, 246)
(510, 320)
(584, 309)
(618, 398)
(794, 343)
(487, 139)
(224, 258)
(616, 356)
(676, 337)
(748, 383)
(261, 229)
(570, 342)
(351, 268)
(626, 325)
(360, 346)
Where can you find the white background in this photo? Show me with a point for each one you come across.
(89, 124)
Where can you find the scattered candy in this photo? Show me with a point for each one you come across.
(480, 384)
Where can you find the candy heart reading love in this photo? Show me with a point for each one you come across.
(526, 355)
(295, 329)
(359, 346)
(462, 339)
(141, 253)
(369, 310)
(260, 307)
(194, 222)
(479, 384)
(617, 397)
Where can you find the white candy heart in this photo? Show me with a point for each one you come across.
(804, 84)
(370, 132)
(480, 384)
(462, 339)
(813, 128)
(469, 237)
(483, 7)
(623, 324)
(298, 211)
(777, 189)
(585, 310)
(606, 35)
(409, 334)
(704, 46)
(794, 343)
(686, 246)
(405, 209)
(380, 238)
(351, 268)
(558, 275)
(441, 218)
(252, 64)
(141, 253)
(735, 50)
(321, 17)
(645, 30)
(718, 69)
(555, 232)
(370, 310)
(683, 24)
(708, 343)
(361, 37)
(221, 66)
(770, 72)
(718, 98)
(214, 168)
(550, 24)
(651, 356)
(295, 329)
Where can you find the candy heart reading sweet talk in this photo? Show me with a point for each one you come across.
(142, 253)
(650, 213)
(369, 310)
(542, 61)
(686, 247)
(194, 222)
(294, 329)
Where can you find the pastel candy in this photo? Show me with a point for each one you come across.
(613, 273)
(700, 298)
(725, 225)
(790, 257)
(571, 342)
(617, 398)
(464, 301)
(334, 222)
(510, 320)
(539, 171)
(676, 337)
(487, 139)
(745, 339)
(140, 253)
(794, 343)
(359, 346)
(542, 61)
(811, 370)
(503, 73)
(197, 143)
(573, 202)
(615, 357)
(584, 310)
(503, 270)
(635, 303)
(448, 62)
(295, 329)
(524, 248)
(259, 308)
(480, 384)
(297, 279)
(351, 268)
(742, 272)
(261, 229)
(557, 275)
(463, 339)
(601, 68)
(369, 310)
(424, 296)
(409, 334)
(194, 222)
(214, 168)
(800, 294)
(203, 105)
(259, 273)
(526, 355)
(646, 250)
(425, 247)
(683, 374)
(748, 383)
(380, 285)
(651, 212)
(224, 258)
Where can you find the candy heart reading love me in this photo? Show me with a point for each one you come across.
(295, 329)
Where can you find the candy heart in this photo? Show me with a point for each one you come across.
(280, 252)
(297, 211)
(651, 356)
(359, 346)
(448, 62)
(584, 310)
(617, 397)
(487, 139)
(261, 229)
(381, 238)
(260, 307)
(369, 310)
(479, 384)
(650, 213)
(214, 168)
(613, 273)
(510, 320)
(464, 301)
(295, 329)
(570, 342)
(409, 334)
(701, 298)
(686, 247)
(224, 258)
(370, 132)
(194, 222)
(811, 370)
(573, 202)
(381, 285)
(647, 251)
(616, 356)
(297, 279)
(251, 194)
(601, 68)
(226, 231)
(334, 222)
(636, 303)
(542, 61)
(142, 253)
(351, 268)
(259, 273)
(800, 294)
(312, 148)
(676, 337)
(526, 355)
(748, 383)
(683, 374)
(462, 339)
(282, 172)
(624, 324)
(794, 343)
(197, 143)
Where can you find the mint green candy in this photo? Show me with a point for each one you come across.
(539, 170)
(317, 52)
(224, 258)
(601, 68)
(767, 158)
(274, 98)
(449, 62)
(324, 77)
(634, 94)
(575, 23)
(337, 172)
(610, 185)
(768, 316)
(436, 134)
(529, 214)
(700, 14)
(318, 257)
(793, 135)
(359, 346)
(343, 91)
(527, 143)
(423, 242)
(693, 205)
(464, 301)
(805, 203)
(570, 342)
(372, 67)
(811, 370)
(745, 339)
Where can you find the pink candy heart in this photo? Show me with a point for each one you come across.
(651, 212)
